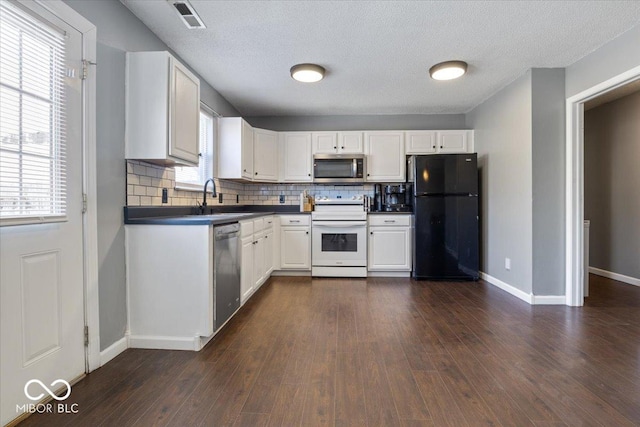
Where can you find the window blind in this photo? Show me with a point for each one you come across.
(32, 119)
(194, 177)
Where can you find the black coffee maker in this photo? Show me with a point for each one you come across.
(392, 198)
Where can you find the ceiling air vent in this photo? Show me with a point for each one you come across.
(187, 14)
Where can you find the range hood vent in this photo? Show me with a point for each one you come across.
(188, 14)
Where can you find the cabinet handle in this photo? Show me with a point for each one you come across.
(371, 232)
(342, 148)
(335, 148)
(307, 232)
(308, 174)
(441, 146)
(294, 220)
(256, 173)
(368, 174)
(266, 237)
(390, 220)
(245, 170)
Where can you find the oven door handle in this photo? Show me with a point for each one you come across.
(338, 224)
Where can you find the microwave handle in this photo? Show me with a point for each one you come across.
(354, 168)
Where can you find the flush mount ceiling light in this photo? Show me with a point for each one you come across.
(448, 70)
(307, 73)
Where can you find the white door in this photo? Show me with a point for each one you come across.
(295, 249)
(385, 156)
(297, 157)
(324, 143)
(246, 269)
(350, 143)
(41, 267)
(185, 113)
(265, 149)
(420, 142)
(268, 253)
(390, 248)
(247, 150)
(452, 141)
(258, 261)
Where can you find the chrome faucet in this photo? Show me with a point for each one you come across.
(204, 193)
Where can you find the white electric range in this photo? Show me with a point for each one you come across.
(339, 237)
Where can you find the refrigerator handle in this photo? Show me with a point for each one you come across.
(410, 169)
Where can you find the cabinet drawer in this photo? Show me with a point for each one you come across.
(294, 220)
(390, 220)
(258, 224)
(246, 228)
(268, 223)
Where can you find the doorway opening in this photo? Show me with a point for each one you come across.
(575, 264)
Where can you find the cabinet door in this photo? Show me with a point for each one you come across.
(324, 142)
(184, 113)
(350, 143)
(258, 260)
(389, 249)
(421, 142)
(247, 150)
(269, 243)
(246, 269)
(452, 141)
(295, 248)
(265, 149)
(385, 156)
(297, 157)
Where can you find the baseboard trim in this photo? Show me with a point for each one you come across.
(165, 343)
(388, 274)
(113, 350)
(286, 273)
(507, 288)
(615, 276)
(549, 300)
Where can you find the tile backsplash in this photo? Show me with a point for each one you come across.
(145, 182)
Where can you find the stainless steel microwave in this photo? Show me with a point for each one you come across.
(339, 168)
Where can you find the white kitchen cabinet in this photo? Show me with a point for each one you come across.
(295, 242)
(439, 142)
(453, 141)
(389, 243)
(169, 285)
(265, 155)
(162, 101)
(385, 156)
(256, 255)
(235, 149)
(246, 269)
(350, 143)
(421, 142)
(297, 157)
(337, 143)
(324, 142)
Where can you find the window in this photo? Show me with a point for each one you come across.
(32, 131)
(193, 178)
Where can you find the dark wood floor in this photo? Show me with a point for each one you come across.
(385, 352)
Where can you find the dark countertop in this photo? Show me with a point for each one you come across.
(189, 215)
(389, 213)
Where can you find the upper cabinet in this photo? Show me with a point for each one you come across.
(162, 110)
(441, 141)
(337, 142)
(235, 149)
(265, 155)
(297, 157)
(385, 156)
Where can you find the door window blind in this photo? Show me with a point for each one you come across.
(194, 177)
(32, 119)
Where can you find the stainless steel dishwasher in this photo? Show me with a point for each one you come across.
(226, 273)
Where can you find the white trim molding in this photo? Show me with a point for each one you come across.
(507, 287)
(574, 181)
(114, 350)
(615, 276)
(165, 343)
(528, 298)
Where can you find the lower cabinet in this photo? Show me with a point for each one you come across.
(256, 263)
(389, 243)
(295, 242)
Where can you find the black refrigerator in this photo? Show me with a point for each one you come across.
(445, 205)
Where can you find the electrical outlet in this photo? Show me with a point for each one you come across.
(507, 263)
(282, 198)
(165, 195)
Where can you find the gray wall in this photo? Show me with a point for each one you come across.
(372, 122)
(119, 31)
(548, 154)
(613, 58)
(503, 141)
(612, 185)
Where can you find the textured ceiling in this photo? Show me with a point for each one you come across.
(377, 53)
